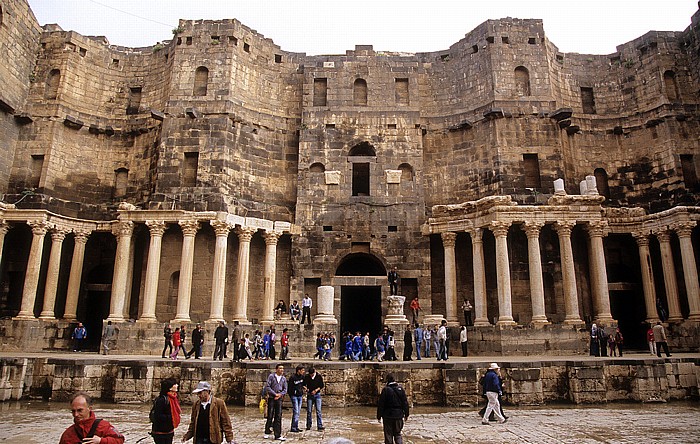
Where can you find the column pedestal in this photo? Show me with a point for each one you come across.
(325, 299)
(395, 314)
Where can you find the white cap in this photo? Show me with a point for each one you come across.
(493, 366)
(203, 385)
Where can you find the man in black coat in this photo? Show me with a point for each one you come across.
(221, 338)
(197, 341)
(392, 407)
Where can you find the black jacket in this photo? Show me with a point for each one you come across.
(315, 383)
(221, 334)
(295, 385)
(162, 417)
(197, 336)
(392, 403)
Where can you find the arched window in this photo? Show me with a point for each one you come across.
(362, 149)
(601, 180)
(317, 167)
(671, 86)
(522, 81)
(359, 93)
(121, 177)
(201, 80)
(52, 83)
(406, 172)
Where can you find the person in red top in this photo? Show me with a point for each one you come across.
(284, 342)
(415, 308)
(650, 340)
(176, 344)
(87, 429)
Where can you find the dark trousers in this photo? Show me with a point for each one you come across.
(658, 349)
(77, 344)
(464, 348)
(468, 318)
(392, 430)
(393, 288)
(168, 345)
(196, 351)
(274, 416)
(306, 314)
(220, 350)
(163, 439)
(236, 351)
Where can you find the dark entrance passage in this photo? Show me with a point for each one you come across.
(628, 308)
(361, 309)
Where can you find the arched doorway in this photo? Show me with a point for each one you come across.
(361, 305)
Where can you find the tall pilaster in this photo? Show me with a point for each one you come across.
(4, 228)
(240, 310)
(481, 317)
(184, 291)
(57, 237)
(123, 231)
(648, 287)
(532, 230)
(76, 275)
(568, 272)
(690, 271)
(271, 238)
(669, 269)
(31, 277)
(156, 228)
(448, 243)
(218, 285)
(505, 307)
(599, 275)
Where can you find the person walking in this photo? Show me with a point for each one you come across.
(284, 344)
(436, 341)
(236, 341)
(166, 412)
(197, 341)
(442, 338)
(275, 389)
(306, 305)
(107, 337)
(209, 421)
(650, 340)
(415, 309)
(313, 383)
(595, 346)
(296, 388)
(463, 340)
(79, 336)
(168, 337)
(660, 339)
(392, 410)
(183, 336)
(492, 389)
(380, 347)
(87, 428)
(176, 344)
(407, 344)
(220, 339)
(418, 336)
(393, 278)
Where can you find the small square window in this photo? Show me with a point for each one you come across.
(505, 40)
(278, 58)
(532, 41)
(233, 40)
(490, 39)
(393, 228)
(246, 47)
(189, 40)
(83, 52)
(327, 228)
(475, 49)
(330, 125)
(391, 126)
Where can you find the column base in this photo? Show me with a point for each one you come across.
(482, 323)
(675, 319)
(47, 316)
(506, 323)
(539, 323)
(694, 316)
(24, 317)
(115, 319)
(573, 321)
(177, 321)
(142, 321)
(605, 318)
(396, 319)
(325, 319)
(434, 319)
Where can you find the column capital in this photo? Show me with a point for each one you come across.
(663, 234)
(189, 227)
(449, 239)
(156, 227)
(598, 228)
(4, 227)
(499, 228)
(81, 237)
(532, 229)
(684, 229)
(271, 237)
(565, 227)
(245, 234)
(58, 234)
(641, 237)
(123, 228)
(220, 227)
(477, 234)
(39, 227)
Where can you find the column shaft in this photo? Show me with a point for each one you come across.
(539, 316)
(271, 238)
(568, 272)
(480, 313)
(123, 231)
(218, 285)
(690, 271)
(4, 228)
(448, 243)
(647, 277)
(184, 291)
(240, 310)
(31, 278)
(156, 229)
(505, 307)
(669, 269)
(599, 275)
(76, 274)
(57, 237)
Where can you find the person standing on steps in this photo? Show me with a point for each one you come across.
(168, 336)
(393, 278)
(660, 339)
(236, 341)
(306, 305)
(467, 309)
(463, 340)
(108, 336)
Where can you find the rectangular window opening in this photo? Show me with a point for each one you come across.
(36, 167)
(402, 91)
(391, 126)
(83, 52)
(475, 49)
(690, 176)
(134, 100)
(246, 47)
(330, 125)
(233, 40)
(360, 179)
(189, 170)
(532, 41)
(188, 41)
(393, 228)
(320, 92)
(505, 40)
(490, 39)
(115, 63)
(587, 100)
(531, 165)
(278, 58)
(327, 228)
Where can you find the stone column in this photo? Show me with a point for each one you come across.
(448, 243)
(57, 237)
(123, 231)
(31, 277)
(184, 290)
(481, 317)
(240, 310)
(505, 308)
(568, 272)
(532, 229)
(647, 276)
(4, 228)
(669, 269)
(156, 228)
(218, 284)
(599, 275)
(271, 238)
(690, 271)
(76, 275)
(325, 299)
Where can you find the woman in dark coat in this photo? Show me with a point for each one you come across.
(165, 414)
(407, 344)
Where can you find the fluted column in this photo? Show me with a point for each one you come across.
(156, 228)
(218, 284)
(240, 310)
(76, 275)
(669, 269)
(568, 272)
(184, 291)
(532, 229)
(690, 271)
(505, 307)
(271, 238)
(648, 287)
(448, 243)
(4, 228)
(481, 318)
(599, 274)
(123, 231)
(57, 237)
(31, 277)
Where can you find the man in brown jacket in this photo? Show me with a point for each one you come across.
(210, 419)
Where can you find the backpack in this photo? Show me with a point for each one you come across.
(152, 413)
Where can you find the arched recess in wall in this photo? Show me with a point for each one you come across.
(121, 180)
(362, 149)
(361, 169)
(360, 264)
(522, 81)
(601, 180)
(52, 82)
(201, 81)
(173, 288)
(317, 167)
(359, 92)
(406, 172)
(671, 85)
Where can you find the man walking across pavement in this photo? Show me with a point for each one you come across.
(108, 336)
(275, 389)
(86, 428)
(492, 389)
(296, 394)
(392, 409)
(313, 383)
(210, 421)
(236, 341)
(168, 338)
(306, 305)
(221, 339)
(197, 341)
(660, 339)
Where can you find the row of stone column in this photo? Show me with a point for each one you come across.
(599, 280)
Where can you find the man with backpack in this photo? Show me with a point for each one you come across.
(392, 408)
(86, 428)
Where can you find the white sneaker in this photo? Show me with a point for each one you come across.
(266, 436)
(281, 438)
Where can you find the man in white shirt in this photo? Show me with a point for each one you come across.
(306, 305)
(442, 337)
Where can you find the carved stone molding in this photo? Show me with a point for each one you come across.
(245, 234)
(156, 227)
(124, 228)
(189, 227)
(271, 237)
(221, 228)
(499, 229)
(532, 229)
(564, 228)
(448, 239)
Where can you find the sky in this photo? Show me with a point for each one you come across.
(334, 26)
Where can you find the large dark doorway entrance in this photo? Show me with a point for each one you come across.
(628, 308)
(361, 309)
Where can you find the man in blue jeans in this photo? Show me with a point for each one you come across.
(313, 382)
(275, 389)
(295, 387)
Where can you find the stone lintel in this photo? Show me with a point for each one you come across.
(561, 114)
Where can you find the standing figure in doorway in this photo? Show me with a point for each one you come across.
(467, 309)
(393, 278)
(306, 305)
(415, 308)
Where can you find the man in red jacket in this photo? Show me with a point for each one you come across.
(87, 428)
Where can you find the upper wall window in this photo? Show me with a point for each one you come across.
(522, 81)
(201, 81)
(320, 92)
(690, 176)
(37, 166)
(402, 92)
(52, 83)
(360, 179)
(531, 165)
(121, 178)
(671, 86)
(189, 170)
(601, 180)
(359, 93)
(587, 100)
(317, 167)
(134, 100)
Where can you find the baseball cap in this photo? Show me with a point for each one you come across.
(203, 385)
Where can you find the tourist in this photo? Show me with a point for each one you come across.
(79, 336)
(313, 383)
(221, 340)
(280, 308)
(176, 344)
(661, 310)
(183, 336)
(275, 389)
(426, 337)
(660, 339)
(166, 412)
(492, 417)
(463, 340)
(380, 347)
(356, 346)
(603, 341)
(442, 339)
(306, 305)
(273, 339)
(266, 344)
(619, 340)
(319, 346)
(415, 308)
(210, 421)
(366, 349)
(327, 347)
(650, 340)
(436, 341)
(197, 341)
(390, 346)
(492, 389)
(418, 337)
(392, 409)
(467, 309)
(258, 344)
(86, 428)
(393, 278)
(331, 342)
(246, 347)
(295, 311)
(611, 345)
(295, 385)
(407, 344)
(107, 337)
(168, 344)
(284, 343)
(236, 341)
(595, 351)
